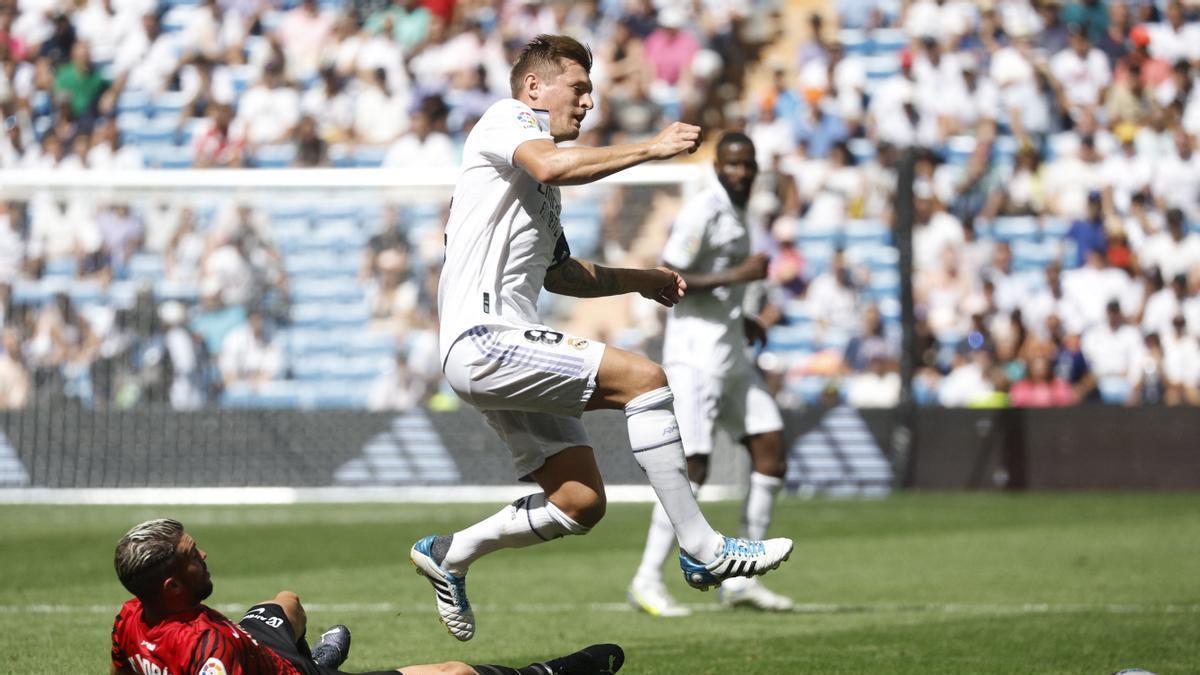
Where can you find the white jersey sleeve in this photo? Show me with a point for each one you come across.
(688, 235)
(504, 129)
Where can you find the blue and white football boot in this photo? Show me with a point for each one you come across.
(738, 558)
(449, 590)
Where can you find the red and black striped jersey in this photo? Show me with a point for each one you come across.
(199, 642)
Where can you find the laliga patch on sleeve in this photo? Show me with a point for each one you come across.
(213, 666)
(527, 119)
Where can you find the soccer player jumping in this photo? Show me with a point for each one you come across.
(504, 243)
(714, 382)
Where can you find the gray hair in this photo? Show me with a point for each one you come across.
(145, 555)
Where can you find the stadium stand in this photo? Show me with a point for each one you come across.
(1056, 173)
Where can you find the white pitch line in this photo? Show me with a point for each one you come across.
(620, 607)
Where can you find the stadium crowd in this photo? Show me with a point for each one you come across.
(1056, 201)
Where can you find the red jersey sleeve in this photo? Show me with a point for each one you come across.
(119, 658)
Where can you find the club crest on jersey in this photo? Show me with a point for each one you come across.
(213, 666)
(527, 119)
(577, 343)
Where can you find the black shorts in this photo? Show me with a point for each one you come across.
(270, 626)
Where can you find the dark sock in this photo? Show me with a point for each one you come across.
(495, 670)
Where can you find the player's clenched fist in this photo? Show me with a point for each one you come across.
(675, 139)
(671, 289)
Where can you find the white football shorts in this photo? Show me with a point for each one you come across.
(736, 401)
(531, 385)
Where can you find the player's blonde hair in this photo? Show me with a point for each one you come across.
(544, 55)
(145, 554)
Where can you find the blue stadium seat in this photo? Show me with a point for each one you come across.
(322, 263)
(166, 156)
(882, 67)
(888, 40)
(124, 293)
(369, 157)
(329, 315)
(337, 210)
(1015, 228)
(867, 232)
(317, 366)
(308, 341)
(958, 149)
(1054, 228)
(169, 104)
(34, 293)
(326, 290)
(290, 228)
(788, 338)
(1004, 150)
(85, 292)
(375, 344)
(854, 41)
(1032, 255)
(280, 394)
(341, 156)
(41, 102)
(862, 149)
(278, 156)
(133, 101)
(289, 210)
(174, 19)
(63, 268)
(182, 291)
(145, 266)
(157, 132)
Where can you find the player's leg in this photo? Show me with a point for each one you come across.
(760, 427)
(696, 410)
(571, 502)
(280, 624)
(550, 448)
(633, 383)
(637, 385)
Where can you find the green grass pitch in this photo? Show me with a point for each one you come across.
(918, 583)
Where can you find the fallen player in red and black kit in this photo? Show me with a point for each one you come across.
(165, 630)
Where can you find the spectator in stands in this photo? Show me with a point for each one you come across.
(1041, 388)
(269, 110)
(311, 149)
(1164, 304)
(671, 46)
(15, 381)
(187, 356)
(1082, 69)
(788, 268)
(331, 105)
(250, 354)
(1177, 178)
(62, 338)
(967, 382)
(184, 252)
(108, 152)
(146, 57)
(1175, 251)
(1150, 383)
(379, 116)
(396, 389)
(212, 319)
(1181, 364)
(122, 232)
(408, 21)
(392, 295)
(219, 146)
(833, 295)
(871, 342)
(1114, 352)
(1088, 234)
(304, 32)
(876, 386)
(421, 146)
(12, 243)
(83, 85)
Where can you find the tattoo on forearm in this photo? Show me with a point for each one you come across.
(582, 280)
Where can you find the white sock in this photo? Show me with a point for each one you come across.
(660, 542)
(760, 504)
(654, 435)
(530, 520)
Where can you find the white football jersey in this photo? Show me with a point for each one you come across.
(504, 231)
(705, 329)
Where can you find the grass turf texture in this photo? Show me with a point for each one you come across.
(919, 583)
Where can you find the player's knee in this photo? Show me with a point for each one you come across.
(647, 376)
(582, 504)
(289, 601)
(456, 668)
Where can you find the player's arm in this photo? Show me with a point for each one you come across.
(584, 279)
(752, 268)
(124, 669)
(552, 165)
